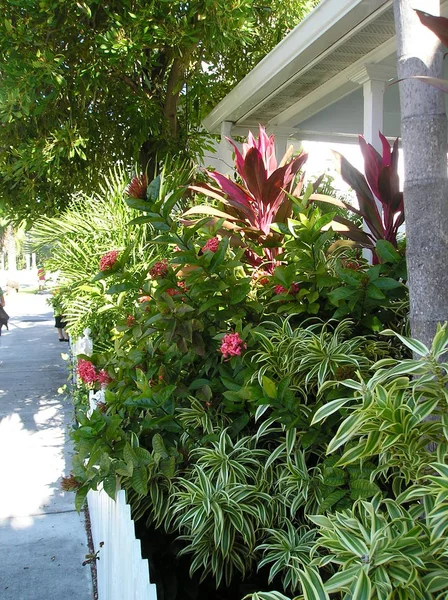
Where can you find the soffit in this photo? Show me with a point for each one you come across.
(348, 53)
(337, 35)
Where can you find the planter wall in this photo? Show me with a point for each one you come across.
(121, 571)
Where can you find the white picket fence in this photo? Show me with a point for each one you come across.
(122, 573)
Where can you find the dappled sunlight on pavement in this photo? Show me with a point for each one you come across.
(43, 541)
(37, 458)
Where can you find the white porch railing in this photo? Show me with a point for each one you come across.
(122, 573)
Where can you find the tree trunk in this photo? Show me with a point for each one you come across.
(424, 135)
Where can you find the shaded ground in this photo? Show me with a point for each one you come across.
(43, 541)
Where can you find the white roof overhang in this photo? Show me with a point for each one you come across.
(314, 66)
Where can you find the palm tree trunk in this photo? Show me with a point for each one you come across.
(424, 135)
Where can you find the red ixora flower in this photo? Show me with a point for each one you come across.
(294, 289)
(137, 187)
(182, 285)
(159, 269)
(173, 292)
(70, 483)
(279, 289)
(108, 260)
(103, 377)
(86, 371)
(350, 264)
(212, 245)
(231, 345)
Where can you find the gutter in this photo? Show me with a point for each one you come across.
(322, 28)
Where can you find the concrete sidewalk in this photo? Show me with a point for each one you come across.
(43, 541)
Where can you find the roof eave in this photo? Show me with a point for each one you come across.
(324, 26)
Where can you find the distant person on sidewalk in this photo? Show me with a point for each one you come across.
(59, 320)
(3, 314)
(41, 278)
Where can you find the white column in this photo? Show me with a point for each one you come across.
(283, 139)
(373, 79)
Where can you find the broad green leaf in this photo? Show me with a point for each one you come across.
(330, 500)
(363, 587)
(128, 455)
(143, 456)
(266, 596)
(387, 283)
(387, 252)
(159, 446)
(239, 292)
(348, 428)
(341, 293)
(120, 287)
(139, 481)
(414, 345)
(342, 580)
(80, 497)
(374, 292)
(291, 437)
(440, 341)
(351, 542)
(168, 467)
(442, 469)
(312, 584)
(353, 455)
(269, 387)
(153, 190)
(205, 209)
(110, 486)
(260, 411)
(275, 455)
(329, 408)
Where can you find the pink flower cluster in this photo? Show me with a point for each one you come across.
(279, 289)
(88, 373)
(232, 345)
(181, 287)
(173, 291)
(130, 320)
(103, 377)
(137, 187)
(212, 245)
(294, 289)
(108, 260)
(160, 269)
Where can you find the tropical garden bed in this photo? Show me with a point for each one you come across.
(277, 432)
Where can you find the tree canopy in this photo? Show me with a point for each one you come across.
(87, 84)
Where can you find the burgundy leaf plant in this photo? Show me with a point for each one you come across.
(380, 201)
(250, 207)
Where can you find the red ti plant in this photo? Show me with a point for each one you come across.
(261, 199)
(380, 183)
